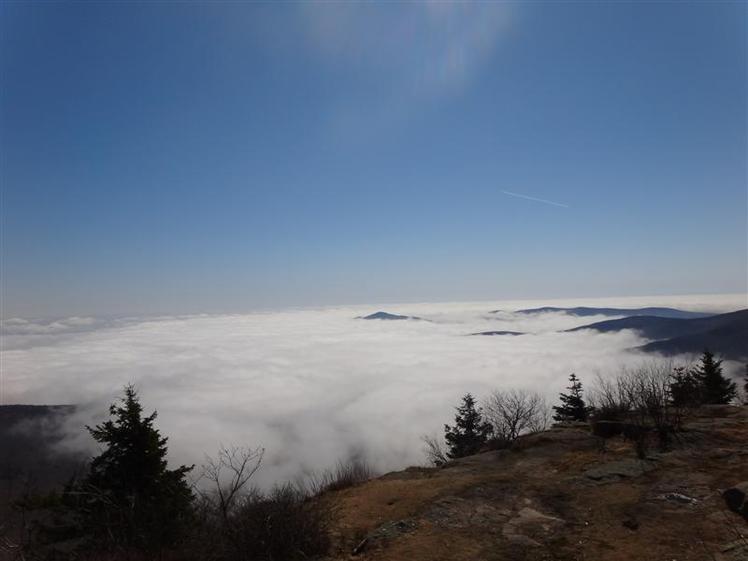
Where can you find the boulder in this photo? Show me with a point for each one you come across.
(736, 498)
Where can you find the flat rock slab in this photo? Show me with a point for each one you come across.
(529, 521)
(733, 551)
(457, 512)
(384, 532)
(620, 469)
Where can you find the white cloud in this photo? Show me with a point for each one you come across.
(313, 386)
(398, 57)
(20, 326)
(431, 47)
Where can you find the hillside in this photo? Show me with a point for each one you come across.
(725, 334)
(490, 333)
(561, 496)
(585, 311)
(727, 342)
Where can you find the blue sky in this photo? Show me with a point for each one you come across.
(208, 157)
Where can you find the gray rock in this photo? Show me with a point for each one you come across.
(733, 551)
(679, 498)
(529, 520)
(519, 539)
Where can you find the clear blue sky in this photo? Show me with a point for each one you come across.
(183, 157)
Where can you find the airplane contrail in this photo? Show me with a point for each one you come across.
(562, 205)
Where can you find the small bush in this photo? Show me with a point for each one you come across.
(635, 403)
(611, 413)
(498, 443)
(284, 524)
(605, 428)
(344, 475)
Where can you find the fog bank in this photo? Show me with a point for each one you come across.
(311, 386)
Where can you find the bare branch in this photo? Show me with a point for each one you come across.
(512, 413)
(434, 450)
(228, 475)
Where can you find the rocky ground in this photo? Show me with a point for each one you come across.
(562, 495)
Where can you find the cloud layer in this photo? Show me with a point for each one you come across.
(311, 386)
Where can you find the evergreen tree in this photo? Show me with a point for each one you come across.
(470, 431)
(573, 406)
(132, 498)
(745, 386)
(685, 388)
(715, 388)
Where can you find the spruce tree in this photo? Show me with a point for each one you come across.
(470, 431)
(685, 388)
(132, 498)
(573, 406)
(715, 388)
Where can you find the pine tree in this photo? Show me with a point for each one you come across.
(133, 499)
(685, 388)
(469, 433)
(715, 388)
(573, 406)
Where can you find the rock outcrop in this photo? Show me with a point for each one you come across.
(562, 495)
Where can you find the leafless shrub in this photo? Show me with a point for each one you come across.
(283, 524)
(235, 521)
(344, 475)
(434, 450)
(609, 399)
(640, 400)
(512, 413)
(227, 476)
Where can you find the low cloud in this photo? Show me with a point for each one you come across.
(311, 386)
(20, 326)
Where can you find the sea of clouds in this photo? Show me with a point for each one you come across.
(312, 386)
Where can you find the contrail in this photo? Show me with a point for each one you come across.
(535, 199)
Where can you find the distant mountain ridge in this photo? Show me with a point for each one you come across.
(499, 333)
(724, 334)
(585, 311)
(388, 316)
